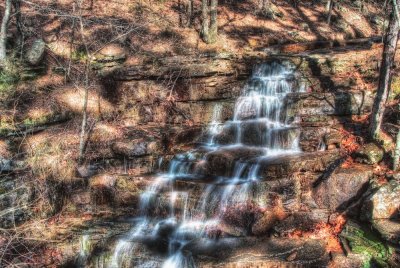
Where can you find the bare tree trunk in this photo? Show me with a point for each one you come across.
(181, 8)
(205, 25)
(396, 155)
(67, 74)
(82, 140)
(385, 75)
(17, 12)
(189, 12)
(330, 10)
(3, 32)
(212, 37)
(185, 12)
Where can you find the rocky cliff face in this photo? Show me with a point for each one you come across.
(144, 114)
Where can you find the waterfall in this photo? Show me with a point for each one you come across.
(259, 124)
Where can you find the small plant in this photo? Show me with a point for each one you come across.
(363, 242)
(79, 55)
(9, 77)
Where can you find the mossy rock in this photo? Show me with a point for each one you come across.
(35, 53)
(362, 241)
(369, 153)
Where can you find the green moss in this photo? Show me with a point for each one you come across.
(364, 242)
(11, 74)
(79, 55)
(8, 80)
(395, 87)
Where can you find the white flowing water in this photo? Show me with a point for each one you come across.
(259, 110)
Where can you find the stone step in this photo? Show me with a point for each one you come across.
(219, 166)
(236, 163)
(343, 103)
(261, 132)
(273, 168)
(215, 252)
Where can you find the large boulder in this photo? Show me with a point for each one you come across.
(6, 165)
(389, 229)
(343, 186)
(381, 209)
(369, 153)
(384, 203)
(35, 53)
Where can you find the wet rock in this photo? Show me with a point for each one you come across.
(343, 186)
(302, 221)
(311, 139)
(283, 166)
(229, 230)
(265, 221)
(384, 203)
(347, 261)
(389, 229)
(35, 53)
(183, 137)
(263, 253)
(241, 215)
(119, 190)
(369, 154)
(222, 162)
(166, 228)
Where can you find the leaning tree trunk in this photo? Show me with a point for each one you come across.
(3, 31)
(385, 75)
(212, 36)
(205, 25)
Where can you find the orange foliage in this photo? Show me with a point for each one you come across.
(326, 231)
(349, 142)
(360, 118)
(348, 162)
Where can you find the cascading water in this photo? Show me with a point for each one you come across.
(259, 124)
